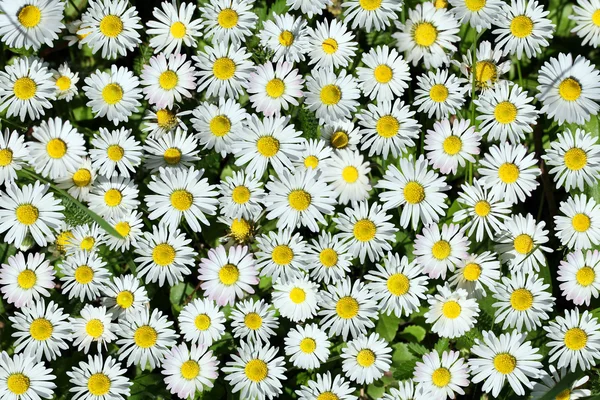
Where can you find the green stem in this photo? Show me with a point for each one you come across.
(21, 127)
(519, 73)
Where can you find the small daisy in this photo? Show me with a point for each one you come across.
(223, 69)
(172, 28)
(24, 282)
(218, 126)
(241, 196)
(340, 135)
(125, 296)
(580, 274)
(271, 141)
(26, 88)
(42, 332)
(227, 276)
(253, 321)
(367, 229)
(330, 96)
(479, 13)
(63, 235)
(307, 346)
(110, 26)
(574, 340)
(167, 80)
(29, 210)
(347, 172)
(160, 121)
(579, 228)
(488, 67)
(181, 195)
(569, 89)
(348, 309)
(415, 187)
(429, 34)
(523, 300)
(575, 159)
(87, 237)
(73, 38)
(129, 226)
(475, 273)
(115, 153)
(587, 19)
(274, 87)
(331, 45)
(326, 387)
(99, 378)
(228, 21)
(84, 275)
(145, 338)
(451, 312)
(65, 81)
(281, 255)
(385, 75)
(508, 357)
(115, 95)
(23, 377)
(286, 36)
(506, 113)
(366, 359)
(483, 211)
(189, 370)
(449, 146)
(407, 389)
(370, 14)
(438, 252)
(165, 254)
(256, 371)
(328, 259)
(177, 150)
(440, 93)
(240, 230)
(202, 322)
(442, 375)
(14, 155)
(397, 285)
(78, 181)
(31, 23)
(93, 326)
(314, 156)
(549, 380)
(296, 299)
(114, 197)
(521, 243)
(508, 170)
(388, 128)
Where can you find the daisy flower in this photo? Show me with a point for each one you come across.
(451, 312)
(189, 370)
(124, 296)
(580, 276)
(256, 371)
(347, 172)
(26, 88)
(522, 300)
(85, 238)
(367, 230)
(145, 338)
(23, 282)
(167, 80)
(29, 210)
(253, 321)
(331, 45)
(587, 21)
(523, 28)
(73, 38)
(202, 322)
(437, 252)
(348, 309)
(115, 153)
(281, 255)
(271, 141)
(171, 28)
(325, 386)
(579, 228)
(176, 150)
(78, 181)
(442, 375)
(508, 170)
(114, 197)
(14, 155)
(428, 34)
(370, 14)
(388, 128)
(241, 195)
(31, 23)
(569, 90)
(228, 21)
(115, 95)
(475, 273)
(84, 275)
(508, 357)
(223, 69)
(227, 276)
(332, 97)
(239, 230)
(327, 258)
(407, 389)
(160, 121)
(549, 380)
(309, 7)
(165, 254)
(415, 187)
(93, 326)
(506, 113)
(307, 346)
(484, 211)
(397, 285)
(450, 145)
(296, 299)
(65, 81)
(286, 36)
(521, 243)
(575, 159)
(366, 358)
(99, 378)
(42, 332)
(23, 377)
(218, 126)
(275, 87)
(340, 135)
(315, 154)
(488, 68)
(574, 340)
(181, 194)
(110, 26)
(385, 74)
(440, 93)
(479, 13)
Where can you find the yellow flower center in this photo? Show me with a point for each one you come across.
(82, 177)
(585, 276)
(145, 336)
(308, 345)
(172, 156)
(328, 257)
(115, 152)
(63, 238)
(329, 45)
(30, 16)
(227, 18)
(297, 295)
(125, 299)
(596, 17)
(581, 222)
(26, 279)
(347, 307)
(438, 93)
(224, 68)
(350, 174)
(398, 284)
(414, 192)
(505, 363)
(24, 88)
(485, 71)
(299, 199)
(27, 214)
(472, 272)
(63, 83)
(112, 93)
(275, 88)
(441, 249)
(482, 208)
(202, 322)
(575, 159)
(6, 157)
(364, 230)
(87, 243)
(84, 274)
(267, 146)
(365, 358)
(166, 119)
(387, 126)
(94, 328)
(370, 5)
(99, 384)
(178, 30)
(569, 89)
(56, 148)
(123, 228)
(113, 197)
(311, 162)
(330, 95)
(475, 5)
(575, 339)
(282, 255)
(505, 112)
(564, 395)
(441, 377)
(383, 73)
(256, 370)
(182, 200)
(508, 173)
(240, 229)
(18, 383)
(521, 299)
(327, 396)
(220, 125)
(168, 80)
(253, 321)
(229, 274)
(240, 195)
(452, 145)
(523, 243)
(451, 309)
(286, 38)
(425, 34)
(163, 254)
(521, 26)
(111, 26)
(339, 139)
(41, 329)
(190, 370)
(440, 4)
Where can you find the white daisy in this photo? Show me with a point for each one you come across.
(78, 181)
(328, 259)
(177, 150)
(84, 274)
(479, 13)
(314, 156)
(241, 196)
(115, 153)
(442, 375)
(366, 358)
(228, 21)
(296, 299)
(125, 296)
(307, 346)
(160, 121)
(99, 378)
(23, 377)
(580, 276)
(286, 36)
(451, 312)
(218, 126)
(253, 321)
(340, 135)
(309, 7)
(171, 28)
(385, 74)
(377, 14)
(347, 172)
(189, 370)
(281, 255)
(326, 387)
(331, 45)
(579, 228)
(274, 87)
(587, 19)
(14, 155)
(438, 252)
(114, 197)
(487, 67)
(31, 23)
(94, 325)
(449, 146)
(168, 80)
(475, 273)
(549, 380)
(202, 322)
(332, 97)
(24, 282)
(440, 93)
(65, 81)
(85, 238)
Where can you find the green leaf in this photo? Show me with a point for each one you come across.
(387, 326)
(565, 383)
(401, 354)
(414, 333)
(405, 370)
(376, 390)
(176, 295)
(418, 349)
(442, 345)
